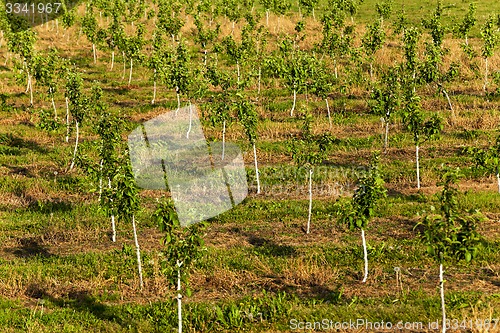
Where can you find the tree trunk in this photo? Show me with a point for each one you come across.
(67, 120)
(335, 68)
(386, 138)
(94, 52)
(124, 66)
(256, 168)
(294, 101)
(76, 145)
(179, 296)
(441, 288)
(238, 71)
(485, 74)
(190, 121)
(53, 103)
(100, 179)
(178, 100)
(138, 252)
(154, 88)
(498, 181)
(223, 138)
(328, 110)
(267, 17)
(113, 226)
(130, 73)
(450, 105)
(258, 82)
(308, 230)
(365, 255)
(418, 166)
(112, 59)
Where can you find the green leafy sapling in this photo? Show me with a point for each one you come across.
(308, 151)
(183, 247)
(413, 120)
(359, 211)
(127, 203)
(77, 105)
(463, 28)
(488, 159)
(247, 114)
(490, 42)
(450, 235)
(373, 40)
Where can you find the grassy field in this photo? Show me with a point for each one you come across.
(60, 271)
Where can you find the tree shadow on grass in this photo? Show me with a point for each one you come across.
(13, 141)
(268, 247)
(82, 301)
(30, 247)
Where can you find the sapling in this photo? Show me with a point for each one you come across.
(413, 120)
(127, 203)
(77, 105)
(488, 159)
(490, 41)
(247, 114)
(308, 151)
(373, 40)
(358, 212)
(183, 247)
(450, 234)
(462, 29)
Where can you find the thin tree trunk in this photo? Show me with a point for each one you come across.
(53, 106)
(138, 252)
(258, 84)
(223, 138)
(94, 52)
(124, 66)
(485, 74)
(328, 110)
(178, 99)
(112, 59)
(365, 255)
(179, 296)
(256, 168)
(130, 74)
(335, 68)
(154, 88)
(67, 120)
(113, 226)
(441, 287)
(76, 145)
(498, 181)
(267, 18)
(100, 179)
(449, 104)
(31, 91)
(418, 166)
(294, 101)
(371, 70)
(386, 138)
(310, 203)
(238, 71)
(190, 121)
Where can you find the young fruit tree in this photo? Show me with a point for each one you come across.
(413, 120)
(386, 100)
(490, 42)
(358, 212)
(247, 114)
(77, 105)
(127, 203)
(307, 152)
(373, 40)
(488, 159)
(450, 235)
(183, 247)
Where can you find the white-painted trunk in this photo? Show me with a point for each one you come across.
(179, 296)
(256, 168)
(67, 120)
(418, 166)
(294, 101)
(113, 226)
(54, 106)
(100, 179)
(154, 88)
(485, 74)
(130, 73)
(178, 99)
(138, 252)
(112, 59)
(94, 52)
(386, 138)
(441, 288)
(124, 66)
(258, 81)
(31, 91)
(267, 17)
(238, 72)
(335, 68)
(76, 145)
(328, 110)
(365, 255)
(223, 138)
(308, 230)
(190, 120)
